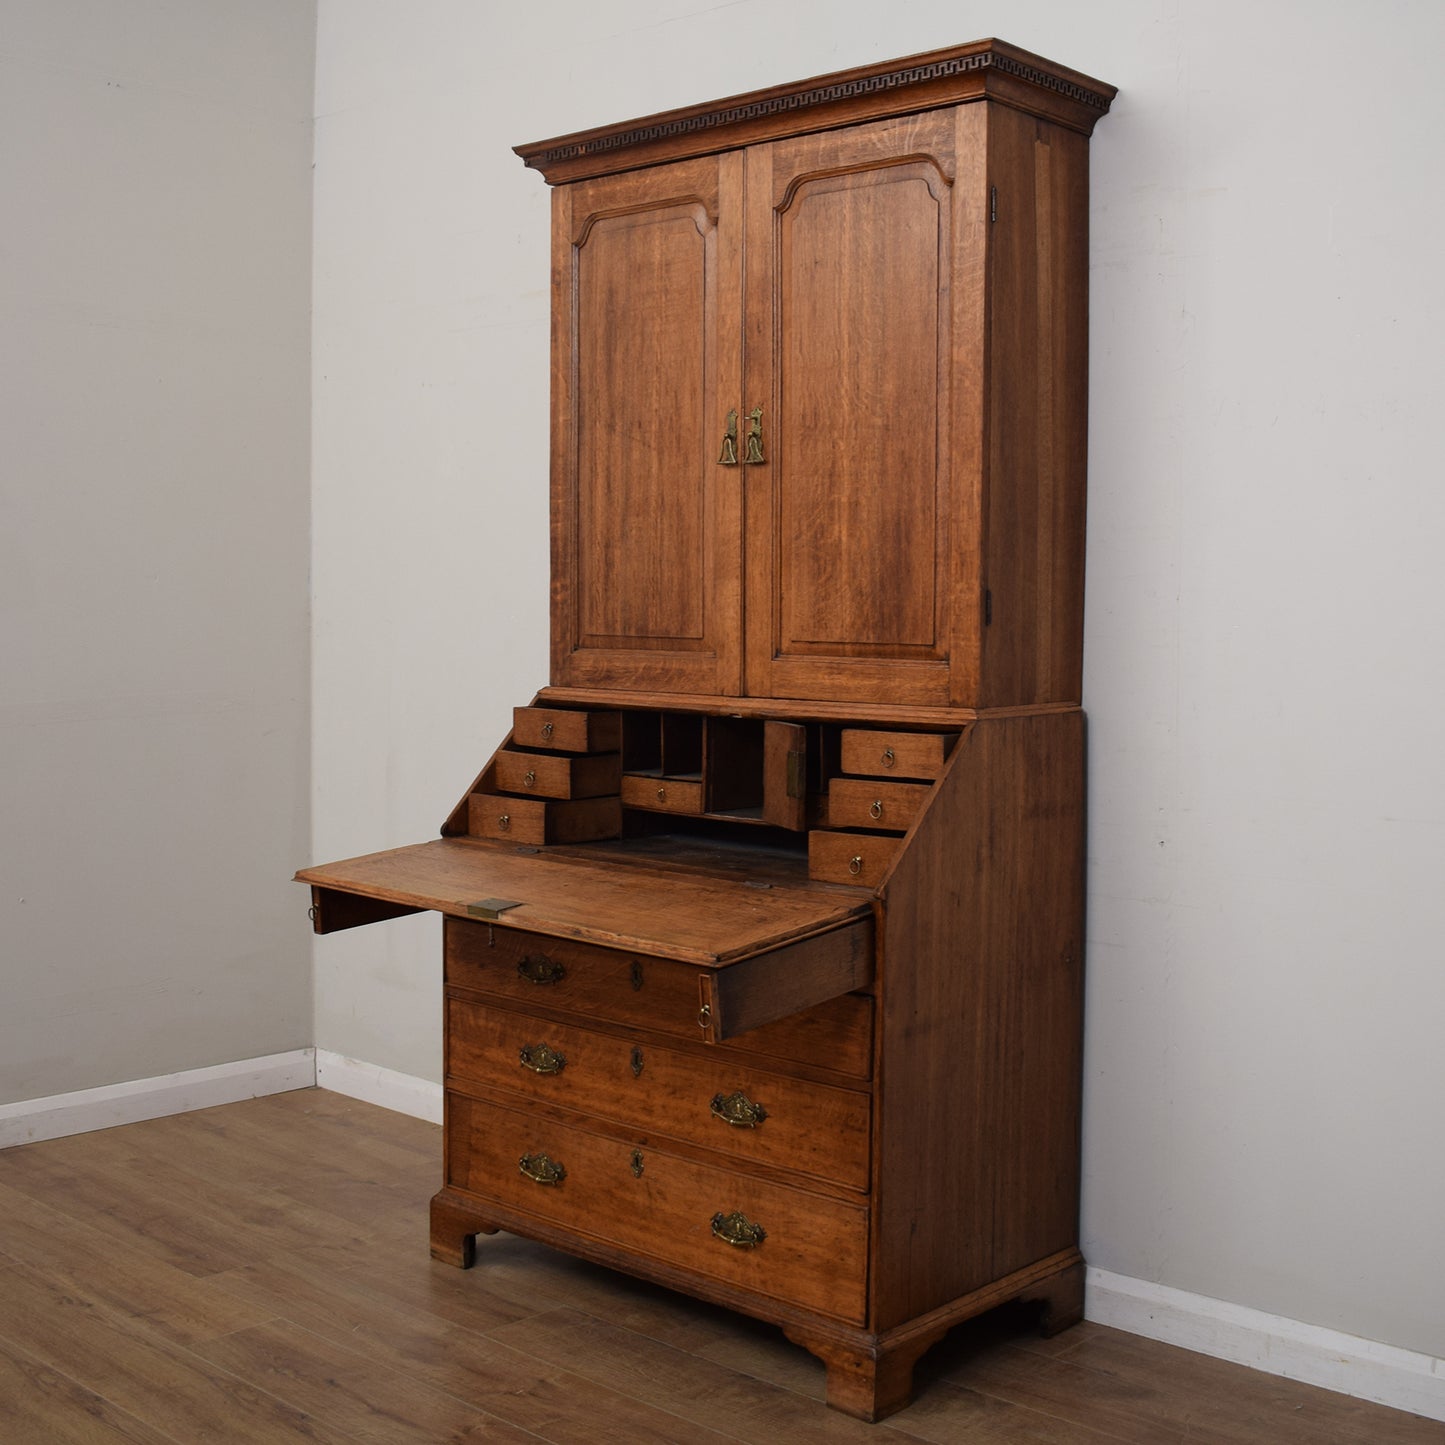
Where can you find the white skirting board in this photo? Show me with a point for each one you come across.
(401, 1093)
(1399, 1378)
(54, 1117)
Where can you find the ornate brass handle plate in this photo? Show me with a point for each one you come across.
(738, 1110)
(753, 452)
(541, 1169)
(738, 1230)
(538, 968)
(542, 1059)
(729, 454)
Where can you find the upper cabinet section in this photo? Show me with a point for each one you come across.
(818, 389)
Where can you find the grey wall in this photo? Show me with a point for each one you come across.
(1264, 668)
(155, 189)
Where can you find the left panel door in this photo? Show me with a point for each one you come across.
(646, 363)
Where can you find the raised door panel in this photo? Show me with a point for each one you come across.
(646, 349)
(857, 513)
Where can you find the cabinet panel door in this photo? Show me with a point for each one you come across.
(860, 509)
(646, 363)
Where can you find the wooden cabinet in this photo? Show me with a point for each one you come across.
(763, 942)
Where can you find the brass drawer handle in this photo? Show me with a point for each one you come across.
(888, 758)
(728, 457)
(855, 864)
(738, 1110)
(754, 452)
(738, 1230)
(541, 1169)
(538, 968)
(547, 732)
(875, 810)
(662, 795)
(504, 822)
(529, 778)
(542, 1059)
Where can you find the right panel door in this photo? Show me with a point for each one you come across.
(864, 318)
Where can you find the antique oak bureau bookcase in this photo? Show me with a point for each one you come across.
(763, 927)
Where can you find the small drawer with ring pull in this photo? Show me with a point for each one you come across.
(860, 858)
(542, 820)
(864, 803)
(550, 775)
(874, 754)
(566, 731)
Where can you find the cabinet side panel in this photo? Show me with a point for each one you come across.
(1038, 411)
(980, 987)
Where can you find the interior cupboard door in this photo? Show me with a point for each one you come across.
(646, 525)
(861, 584)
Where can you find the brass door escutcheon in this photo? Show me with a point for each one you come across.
(538, 968)
(636, 1062)
(541, 1169)
(637, 973)
(728, 457)
(637, 1163)
(738, 1110)
(738, 1230)
(542, 1059)
(753, 454)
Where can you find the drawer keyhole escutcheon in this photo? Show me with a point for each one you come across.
(855, 864)
(637, 974)
(637, 1163)
(636, 1062)
(538, 968)
(540, 1169)
(542, 1059)
(738, 1110)
(876, 810)
(738, 1230)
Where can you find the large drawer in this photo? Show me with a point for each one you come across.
(703, 1095)
(811, 1250)
(582, 981)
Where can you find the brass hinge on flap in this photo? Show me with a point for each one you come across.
(492, 907)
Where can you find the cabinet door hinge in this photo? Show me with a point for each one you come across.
(993, 203)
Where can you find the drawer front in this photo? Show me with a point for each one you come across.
(705, 1097)
(863, 803)
(567, 731)
(543, 820)
(812, 1253)
(545, 775)
(557, 975)
(861, 858)
(661, 795)
(894, 755)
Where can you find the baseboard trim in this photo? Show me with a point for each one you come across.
(32, 1120)
(1365, 1369)
(402, 1093)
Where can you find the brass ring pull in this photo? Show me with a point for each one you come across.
(753, 454)
(546, 732)
(538, 968)
(540, 1169)
(541, 1059)
(855, 864)
(728, 457)
(738, 1110)
(888, 758)
(662, 795)
(876, 810)
(737, 1230)
(504, 822)
(704, 1016)
(529, 778)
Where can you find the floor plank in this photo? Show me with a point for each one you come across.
(260, 1272)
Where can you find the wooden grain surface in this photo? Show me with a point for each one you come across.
(689, 917)
(337, 1327)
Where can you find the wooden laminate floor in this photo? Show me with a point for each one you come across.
(259, 1272)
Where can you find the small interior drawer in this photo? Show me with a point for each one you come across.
(567, 731)
(861, 858)
(876, 754)
(543, 820)
(864, 803)
(547, 775)
(661, 795)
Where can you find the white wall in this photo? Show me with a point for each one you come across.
(154, 424)
(1264, 1076)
